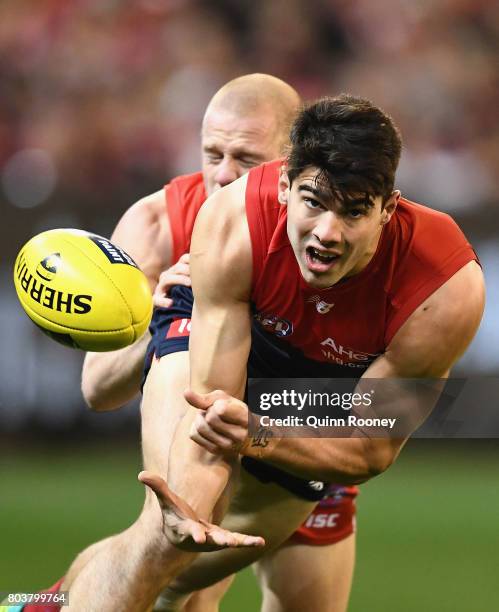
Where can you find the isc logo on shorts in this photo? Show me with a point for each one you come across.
(322, 520)
(180, 328)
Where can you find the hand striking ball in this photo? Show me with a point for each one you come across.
(82, 290)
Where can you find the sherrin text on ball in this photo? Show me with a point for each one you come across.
(82, 290)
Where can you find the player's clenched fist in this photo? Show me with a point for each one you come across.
(221, 425)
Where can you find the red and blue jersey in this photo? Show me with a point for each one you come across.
(352, 322)
(184, 197)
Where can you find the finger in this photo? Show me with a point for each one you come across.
(211, 448)
(220, 537)
(231, 411)
(197, 532)
(247, 540)
(166, 497)
(236, 433)
(156, 483)
(181, 269)
(230, 539)
(219, 440)
(184, 258)
(174, 278)
(203, 401)
(159, 487)
(161, 301)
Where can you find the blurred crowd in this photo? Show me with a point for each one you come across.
(101, 100)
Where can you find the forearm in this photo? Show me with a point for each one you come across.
(194, 474)
(340, 460)
(109, 380)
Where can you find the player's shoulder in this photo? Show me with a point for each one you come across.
(225, 207)
(144, 232)
(221, 224)
(187, 181)
(148, 210)
(426, 239)
(425, 222)
(185, 193)
(438, 332)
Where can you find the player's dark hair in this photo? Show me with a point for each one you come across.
(354, 144)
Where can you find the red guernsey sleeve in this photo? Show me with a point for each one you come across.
(184, 197)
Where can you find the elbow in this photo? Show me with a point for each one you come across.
(363, 466)
(92, 399)
(378, 463)
(379, 458)
(95, 398)
(94, 389)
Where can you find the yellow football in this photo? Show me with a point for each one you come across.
(82, 290)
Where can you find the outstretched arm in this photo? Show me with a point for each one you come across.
(220, 261)
(111, 379)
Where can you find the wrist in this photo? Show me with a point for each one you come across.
(260, 443)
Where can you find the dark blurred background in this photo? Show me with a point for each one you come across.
(101, 103)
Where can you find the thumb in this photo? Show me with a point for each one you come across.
(160, 301)
(203, 401)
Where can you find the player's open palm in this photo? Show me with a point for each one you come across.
(184, 529)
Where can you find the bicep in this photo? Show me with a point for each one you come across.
(219, 347)
(221, 280)
(409, 377)
(439, 331)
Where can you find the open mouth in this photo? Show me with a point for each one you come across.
(320, 261)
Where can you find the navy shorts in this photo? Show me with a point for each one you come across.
(170, 327)
(269, 358)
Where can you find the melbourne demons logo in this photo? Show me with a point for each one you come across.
(274, 325)
(321, 306)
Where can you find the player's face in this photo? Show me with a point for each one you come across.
(232, 145)
(330, 240)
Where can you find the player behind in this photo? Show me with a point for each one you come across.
(246, 123)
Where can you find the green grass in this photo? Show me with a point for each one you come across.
(428, 535)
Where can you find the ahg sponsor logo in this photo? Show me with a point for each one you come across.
(347, 353)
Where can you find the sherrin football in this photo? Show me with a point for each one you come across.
(82, 290)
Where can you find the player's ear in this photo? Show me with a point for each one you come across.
(283, 194)
(390, 206)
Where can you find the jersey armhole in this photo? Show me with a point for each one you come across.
(174, 212)
(458, 260)
(256, 223)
